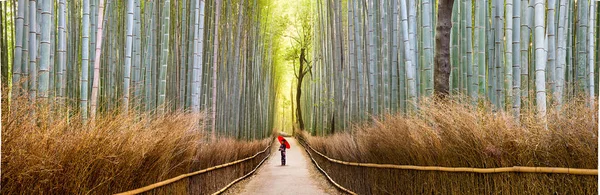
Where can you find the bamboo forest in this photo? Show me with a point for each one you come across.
(299, 97)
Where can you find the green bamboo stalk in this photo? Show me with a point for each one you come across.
(372, 58)
(62, 50)
(52, 68)
(92, 47)
(464, 74)
(96, 77)
(352, 98)
(181, 59)
(128, 55)
(136, 56)
(412, 33)
(338, 61)
(540, 63)
(561, 53)
(582, 46)
(516, 58)
(215, 57)
(491, 78)
(25, 58)
(164, 57)
(18, 56)
(551, 31)
(526, 26)
(591, 51)
(188, 47)
(571, 53)
(44, 67)
(198, 38)
(85, 44)
(384, 65)
(508, 56)
(455, 53)
(479, 46)
(472, 82)
(410, 68)
(499, 52)
(32, 51)
(427, 47)
(150, 55)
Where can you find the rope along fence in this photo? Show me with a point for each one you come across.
(190, 183)
(373, 170)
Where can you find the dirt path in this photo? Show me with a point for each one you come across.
(297, 177)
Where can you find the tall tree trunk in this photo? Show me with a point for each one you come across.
(301, 74)
(442, 48)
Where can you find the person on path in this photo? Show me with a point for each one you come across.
(282, 149)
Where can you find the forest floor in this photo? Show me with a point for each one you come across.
(298, 176)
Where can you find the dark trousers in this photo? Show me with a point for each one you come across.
(282, 158)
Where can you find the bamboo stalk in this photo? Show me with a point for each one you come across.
(128, 55)
(410, 68)
(516, 59)
(85, 50)
(18, 56)
(540, 65)
(96, 77)
(32, 51)
(45, 63)
(591, 48)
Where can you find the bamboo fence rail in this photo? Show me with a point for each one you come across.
(242, 177)
(174, 179)
(304, 144)
(517, 169)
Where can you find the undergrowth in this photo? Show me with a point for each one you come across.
(454, 134)
(47, 153)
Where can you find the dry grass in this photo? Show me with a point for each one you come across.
(119, 152)
(459, 135)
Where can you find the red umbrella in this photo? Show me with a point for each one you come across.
(281, 141)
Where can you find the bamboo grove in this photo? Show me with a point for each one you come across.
(144, 56)
(375, 57)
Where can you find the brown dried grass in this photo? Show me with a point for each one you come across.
(119, 152)
(454, 134)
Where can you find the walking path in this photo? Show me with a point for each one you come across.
(293, 178)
